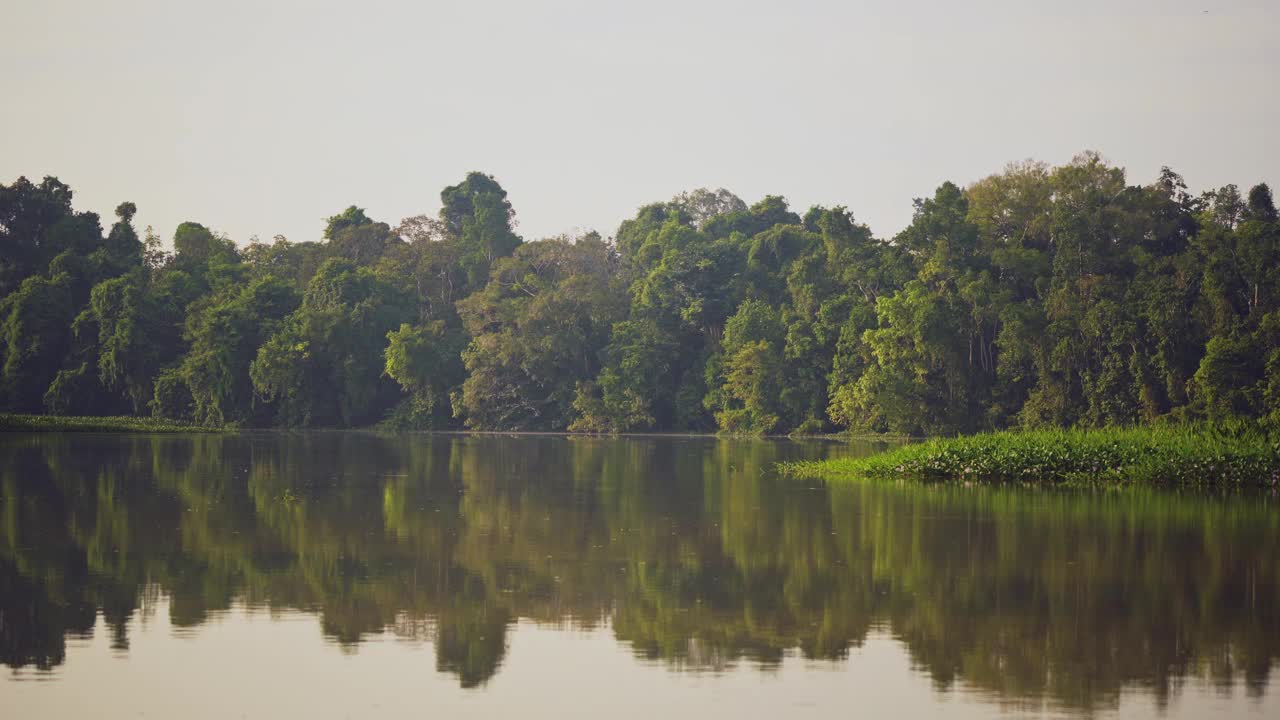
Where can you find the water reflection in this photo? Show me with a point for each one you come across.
(689, 551)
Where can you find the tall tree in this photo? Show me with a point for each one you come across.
(476, 212)
(324, 366)
(537, 331)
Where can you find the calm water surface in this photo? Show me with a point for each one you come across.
(361, 575)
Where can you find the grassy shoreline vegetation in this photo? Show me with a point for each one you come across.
(1184, 455)
(61, 423)
(1038, 296)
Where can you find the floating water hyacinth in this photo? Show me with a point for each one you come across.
(1244, 455)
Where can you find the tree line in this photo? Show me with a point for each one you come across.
(1037, 296)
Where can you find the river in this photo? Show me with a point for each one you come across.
(347, 574)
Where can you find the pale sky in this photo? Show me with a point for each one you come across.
(265, 117)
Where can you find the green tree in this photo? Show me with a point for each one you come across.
(354, 236)
(138, 334)
(537, 330)
(636, 389)
(196, 248)
(477, 213)
(426, 360)
(122, 245)
(37, 223)
(324, 366)
(36, 336)
(930, 359)
(747, 379)
(224, 335)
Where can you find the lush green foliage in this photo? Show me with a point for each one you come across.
(1036, 297)
(1198, 454)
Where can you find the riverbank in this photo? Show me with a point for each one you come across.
(125, 423)
(1189, 455)
(57, 423)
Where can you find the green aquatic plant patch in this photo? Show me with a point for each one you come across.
(1193, 454)
(54, 423)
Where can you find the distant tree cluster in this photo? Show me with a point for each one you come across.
(1037, 296)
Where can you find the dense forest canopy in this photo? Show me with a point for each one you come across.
(1036, 296)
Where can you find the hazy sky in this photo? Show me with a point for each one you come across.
(262, 117)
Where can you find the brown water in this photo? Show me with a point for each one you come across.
(360, 575)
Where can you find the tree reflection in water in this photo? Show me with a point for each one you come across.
(692, 551)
